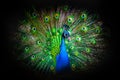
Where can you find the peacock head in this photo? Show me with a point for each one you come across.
(66, 34)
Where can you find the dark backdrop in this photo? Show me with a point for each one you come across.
(13, 11)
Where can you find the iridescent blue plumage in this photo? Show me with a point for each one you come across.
(62, 58)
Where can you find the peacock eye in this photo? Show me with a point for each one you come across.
(38, 43)
(78, 38)
(24, 37)
(88, 50)
(26, 49)
(34, 29)
(33, 57)
(84, 16)
(57, 16)
(47, 19)
(70, 19)
(98, 29)
(84, 29)
(71, 47)
(34, 15)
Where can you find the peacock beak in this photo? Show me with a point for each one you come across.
(69, 39)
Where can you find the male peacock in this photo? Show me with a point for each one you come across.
(59, 39)
(62, 58)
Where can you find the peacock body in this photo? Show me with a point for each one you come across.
(56, 39)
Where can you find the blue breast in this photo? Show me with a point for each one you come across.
(62, 60)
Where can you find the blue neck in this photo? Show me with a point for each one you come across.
(62, 58)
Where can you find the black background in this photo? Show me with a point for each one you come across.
(13, 11)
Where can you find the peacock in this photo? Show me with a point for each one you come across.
(59, 39)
